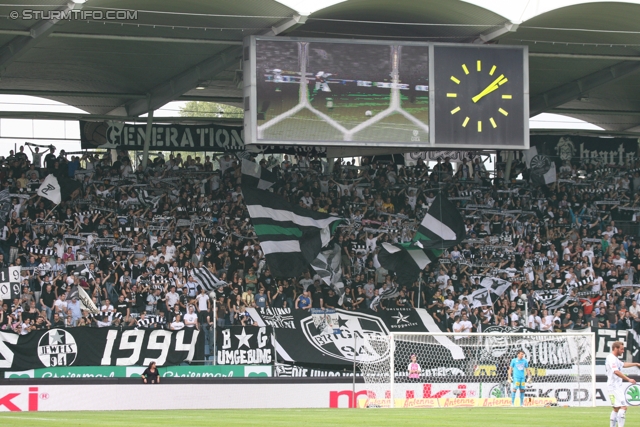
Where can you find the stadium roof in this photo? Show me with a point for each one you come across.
(584, 55)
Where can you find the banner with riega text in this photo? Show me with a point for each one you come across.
(210, 137)
(99, 347)
(245, 345)
(301, 338)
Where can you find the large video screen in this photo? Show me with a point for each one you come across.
(347, 93)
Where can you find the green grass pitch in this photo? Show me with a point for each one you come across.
(476, 417)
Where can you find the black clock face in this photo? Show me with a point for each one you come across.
(479, 96)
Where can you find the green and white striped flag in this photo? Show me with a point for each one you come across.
(291, 237)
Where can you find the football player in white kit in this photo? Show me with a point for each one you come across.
(615, 379)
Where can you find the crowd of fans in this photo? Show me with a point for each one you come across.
(131, 239)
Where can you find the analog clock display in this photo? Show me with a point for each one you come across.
(480, 96)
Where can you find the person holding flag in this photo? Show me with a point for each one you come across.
(519, 371)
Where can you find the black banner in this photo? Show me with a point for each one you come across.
(606, 337)
(174, 137)
(299, 371)
(594, 150)
(402, 320)
(246, 345)
(300, 340)
(306, 345)
(99, 347)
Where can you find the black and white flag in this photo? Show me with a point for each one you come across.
(5, 206)
(58, 189)
(207, 279)
(386, 293)
(552, 301)
(327, 265)
(50, 189)
(495, 284)
(86, 303)
(480, 297)
(256, 176)
(543, 169)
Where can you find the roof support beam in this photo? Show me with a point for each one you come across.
(184, 82)
(492, 35)
(57, 93)
(22, 44)
(575, 89)
(288, 25)
(45, 115)
(575, 111)
(580, 56)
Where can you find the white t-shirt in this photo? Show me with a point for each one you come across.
(457, 327)
(613, 364)
(443, 279)
(190, 317)
(106, 308)
(61, 304)
(176, 326)
(547, 323)
(449, 303)
(532, 322)
(202, 300)
(171, 252)
(172, 299)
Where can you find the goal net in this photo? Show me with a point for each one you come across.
(443, 370)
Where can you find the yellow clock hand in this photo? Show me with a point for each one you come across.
(492, 86)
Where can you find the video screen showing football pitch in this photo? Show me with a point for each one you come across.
(335, 92)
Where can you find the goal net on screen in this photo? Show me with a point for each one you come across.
(448, 370)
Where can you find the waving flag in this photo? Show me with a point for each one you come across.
(256, 176)
(441, 228)
(58, 189)
(207, 279)
(5, 206)
(291, 237)
(327, 265)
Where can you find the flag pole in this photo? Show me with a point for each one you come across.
(50, 212)
(215, 332)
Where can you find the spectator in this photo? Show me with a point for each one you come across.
(151, 375)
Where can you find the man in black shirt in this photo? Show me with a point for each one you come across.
(162, 266)
(278, 300)
(124, 308)
(496, 226)
(138, 299)
(57, 321)
(331, 301)
(402, 301)
(50, 159)
(612, 279)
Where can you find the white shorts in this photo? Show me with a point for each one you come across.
(618, 397)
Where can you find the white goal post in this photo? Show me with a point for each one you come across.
(471, 369)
